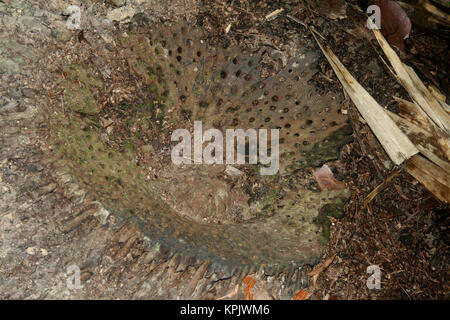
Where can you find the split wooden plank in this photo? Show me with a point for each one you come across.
(413, 113)
(439, 97)
(414, 86)
(431, 176)
(394, 141)
(424, 140)
(436, 14)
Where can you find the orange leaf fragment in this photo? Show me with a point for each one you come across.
(248, 279)
(302, 295)
(250, 282)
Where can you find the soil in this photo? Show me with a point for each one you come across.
(55, 214)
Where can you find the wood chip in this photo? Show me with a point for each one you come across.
(273, 14)
(431, 176)
(435, 149)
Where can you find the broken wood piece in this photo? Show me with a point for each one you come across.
(439, 15)
(428, 14)
(431, 98)
(427, 143)
(297, 20)
(273, 14)
(413, 113)
(394, 141)
(436, 93)
(431, 176)
(414, 86)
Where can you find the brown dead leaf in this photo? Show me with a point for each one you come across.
(326, 180)
(395, 23)
(302, 295)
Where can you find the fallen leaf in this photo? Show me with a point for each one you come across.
(250, 282)
(395, 23)
(302, 295)
(326, 180)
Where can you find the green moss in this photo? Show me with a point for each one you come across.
(335, 210)
(79, 86)
(266, 207)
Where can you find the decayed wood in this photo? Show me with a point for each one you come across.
(394, 141)
(431, 111)
(416, 89)
(413, 113)
(439, 97)
(430, 97)
(426, 14)
(427, 111)
(431, 176)
(439, 15)
(424, 140)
